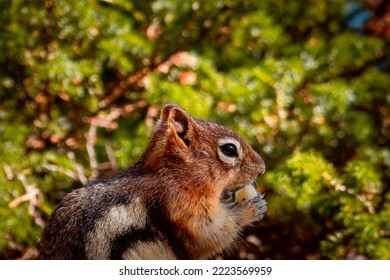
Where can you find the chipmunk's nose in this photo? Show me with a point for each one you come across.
(262, 168)
(256, 161)
(260, 165)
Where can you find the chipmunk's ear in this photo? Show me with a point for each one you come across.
(179, 121)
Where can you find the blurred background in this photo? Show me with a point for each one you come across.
(307, 83)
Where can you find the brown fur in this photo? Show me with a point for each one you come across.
(168, 205)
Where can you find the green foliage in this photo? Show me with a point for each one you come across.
(81, 83)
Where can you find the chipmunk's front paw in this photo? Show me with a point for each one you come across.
(249, 211)
(260, 205)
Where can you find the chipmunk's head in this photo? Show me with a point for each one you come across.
(204, 153)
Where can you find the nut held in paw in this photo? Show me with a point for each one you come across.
(248, 192)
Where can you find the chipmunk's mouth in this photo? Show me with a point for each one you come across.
(229, 194)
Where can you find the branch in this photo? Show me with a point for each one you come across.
(33, 196)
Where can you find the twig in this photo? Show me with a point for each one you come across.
(91, 141)
(56, 168)
(111, 156)
(80, 173)
(33, 196)
(8, 172)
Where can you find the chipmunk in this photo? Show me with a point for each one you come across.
(175, 202)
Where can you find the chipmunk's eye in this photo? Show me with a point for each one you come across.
(229, 150)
